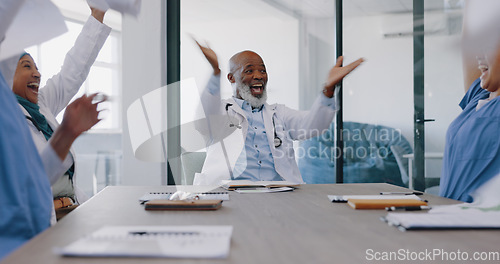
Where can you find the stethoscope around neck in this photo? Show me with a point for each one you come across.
(277, 140)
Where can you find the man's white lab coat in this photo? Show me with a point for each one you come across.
(225, 141)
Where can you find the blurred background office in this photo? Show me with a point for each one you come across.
(297, 42)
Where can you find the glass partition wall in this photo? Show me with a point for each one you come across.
(412, 74)
(296, 40)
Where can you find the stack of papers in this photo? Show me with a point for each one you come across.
(483, 213)
(153, 241)
(166, 196)
(458, 220)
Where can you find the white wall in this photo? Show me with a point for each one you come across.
(317, 57)
(381, 90)
(229, 27)
(142, 73)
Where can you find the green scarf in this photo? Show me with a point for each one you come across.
(37, 118)
(40, 123)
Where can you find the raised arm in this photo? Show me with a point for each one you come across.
(80, 116)
(210, 97)
(97, 14)
(210, 56)
(61, 87)
(337, 73)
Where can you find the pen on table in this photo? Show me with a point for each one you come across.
(142, 233)
(402, 193)
(408, 208)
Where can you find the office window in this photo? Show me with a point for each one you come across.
(379, 98)
(295, 40)
(104, 76)
(99, 151)
(277, 42)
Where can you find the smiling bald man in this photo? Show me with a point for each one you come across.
(249, 139)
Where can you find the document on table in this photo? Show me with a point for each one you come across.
(483, 213)
(462, 220)
(166, 196)
(237, 184)
(153, 241)
(264, 190)
(344, 198)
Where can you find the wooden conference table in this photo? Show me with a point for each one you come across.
(302, 226)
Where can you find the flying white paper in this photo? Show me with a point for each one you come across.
(131, 7)
(36, 22)
(486, 199)
(483, 26)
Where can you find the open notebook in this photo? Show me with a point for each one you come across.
(444, 220)
(153, 241)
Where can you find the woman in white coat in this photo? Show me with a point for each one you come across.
(41, 106)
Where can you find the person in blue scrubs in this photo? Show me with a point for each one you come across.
(472, 151)
(25, 194)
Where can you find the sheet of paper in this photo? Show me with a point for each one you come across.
(486, 199)
(482, 23)
(453, 220)
(153, 241)
(131, 7)
(484, 212)
(264, 190)
(36, 22)
(247, 183)
(344, 198)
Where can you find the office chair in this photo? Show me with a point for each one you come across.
(431, 183)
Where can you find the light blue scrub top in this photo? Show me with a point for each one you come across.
(472, 150)
(256, 161)
(25, 195)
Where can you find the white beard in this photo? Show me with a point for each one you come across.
(246, 95)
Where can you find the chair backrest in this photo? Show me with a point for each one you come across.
(368, 156)
(402, 162)
(192, 162)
